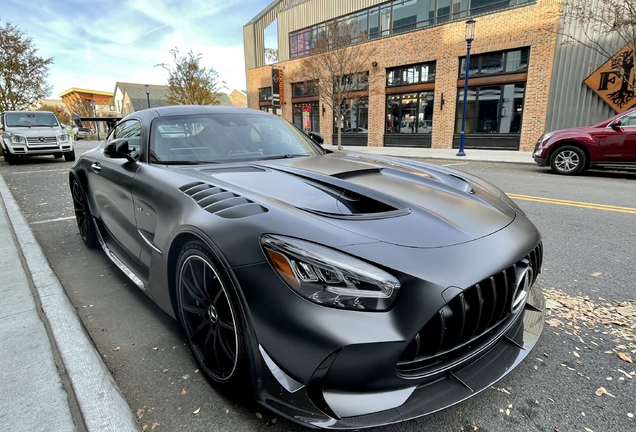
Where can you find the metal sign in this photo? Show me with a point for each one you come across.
(610, 86)
(277, 86)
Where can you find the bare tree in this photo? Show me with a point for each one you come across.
(338, 69)
(271, 55)
(82, 108)
(191, 84)
(607, 27)
(22, 72)
(62, 115)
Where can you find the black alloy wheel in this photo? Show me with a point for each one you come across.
(209, 317)
(83, 216)
(568, 160)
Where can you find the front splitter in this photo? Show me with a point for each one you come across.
(463, 382)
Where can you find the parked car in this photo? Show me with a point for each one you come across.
(26, 133)
(610, 144)
(323, 283)
(82, 133)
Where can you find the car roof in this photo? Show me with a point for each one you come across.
(27, 112)
(202, 109)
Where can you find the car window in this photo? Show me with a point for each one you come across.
(629, 119)
(131, 130)
(226, 137)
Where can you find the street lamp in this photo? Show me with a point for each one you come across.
(148, 94)
(470, 36)
(96, 125)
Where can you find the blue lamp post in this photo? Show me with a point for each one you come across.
(470, 36)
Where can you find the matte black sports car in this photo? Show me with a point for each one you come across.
(344, 290)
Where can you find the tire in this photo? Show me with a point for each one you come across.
(568, 160)
(211, 319)
(69, 156)
(58, 155)
(87, 229)
(9, 157)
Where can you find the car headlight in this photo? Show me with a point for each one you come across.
(330, 278)
(62, 137)
(545, 137)
(17, 139)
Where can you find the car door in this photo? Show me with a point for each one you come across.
(110, 180)
(619, 144)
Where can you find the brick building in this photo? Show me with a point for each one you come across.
(416, 73)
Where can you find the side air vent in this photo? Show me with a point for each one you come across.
(221, 202)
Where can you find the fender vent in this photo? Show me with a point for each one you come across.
(221, 202)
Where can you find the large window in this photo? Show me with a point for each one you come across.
(405, 75)
(304, 89)
(395, 17)
(410, 113)
(356, 117)
(265, 94)
(496, 63)
(355, 82)
(492, 109)
(307, 117)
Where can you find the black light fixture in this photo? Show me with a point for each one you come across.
(441, 102)
(470, 36)
(323, 110)
(148, 94)
(374, 64)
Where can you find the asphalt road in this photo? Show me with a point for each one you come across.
(588, 252)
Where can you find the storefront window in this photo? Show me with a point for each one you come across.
(306, 117)
(356, 116)
(273, 110)
(495, 109)
(410, 113)
(304, 89)
(496, 63)
(264, 94)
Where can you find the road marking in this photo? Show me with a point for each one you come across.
(579, 204)
(460, 163)
(38, 171)
(53, 220)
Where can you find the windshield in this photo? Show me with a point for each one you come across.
(226, 138)
(30, 120)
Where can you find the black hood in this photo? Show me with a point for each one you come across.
(390, 200)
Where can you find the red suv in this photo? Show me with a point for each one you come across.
(611, 144)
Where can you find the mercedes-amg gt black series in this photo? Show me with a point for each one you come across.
(344, 291)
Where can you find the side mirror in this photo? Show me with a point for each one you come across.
(118, 149)
(316, 137)
(616, 124)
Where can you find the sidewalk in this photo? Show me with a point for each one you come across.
(447, 154)
(52, 377)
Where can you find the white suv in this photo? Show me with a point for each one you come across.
(33, 133)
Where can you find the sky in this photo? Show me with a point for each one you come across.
(96, 43)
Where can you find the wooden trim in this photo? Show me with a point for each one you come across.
(306, 99)
(411, 88)
(495, 79)
(357, 94)
(265, 103)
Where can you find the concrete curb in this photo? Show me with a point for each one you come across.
(101, 403)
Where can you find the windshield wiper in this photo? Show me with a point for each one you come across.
(43, 125)
(192, 162)
(285, 156)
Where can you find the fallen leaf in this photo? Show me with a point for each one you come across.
(155, 348)
(140, 413)
(596, 274)
(575, 354)
(507, 412)
(103, 329)
(503, 390)
(474, 426)
(625, 357)
(553, 322)
(197, 411)
(154, 425)
(183, 392)
(165, 370)
(259, 415)
(116, 349)
(588, 429)
(144, 427)
(602, 391)
(630, 415)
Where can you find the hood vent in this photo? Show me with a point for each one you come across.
(221, 202)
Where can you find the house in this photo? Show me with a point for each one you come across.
(131, 97)
(239, 98)
(89, 103)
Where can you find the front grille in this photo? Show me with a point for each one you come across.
(220, 201)
(45, 141)
(479, 312)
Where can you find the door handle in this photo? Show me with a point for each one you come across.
(96, 167)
